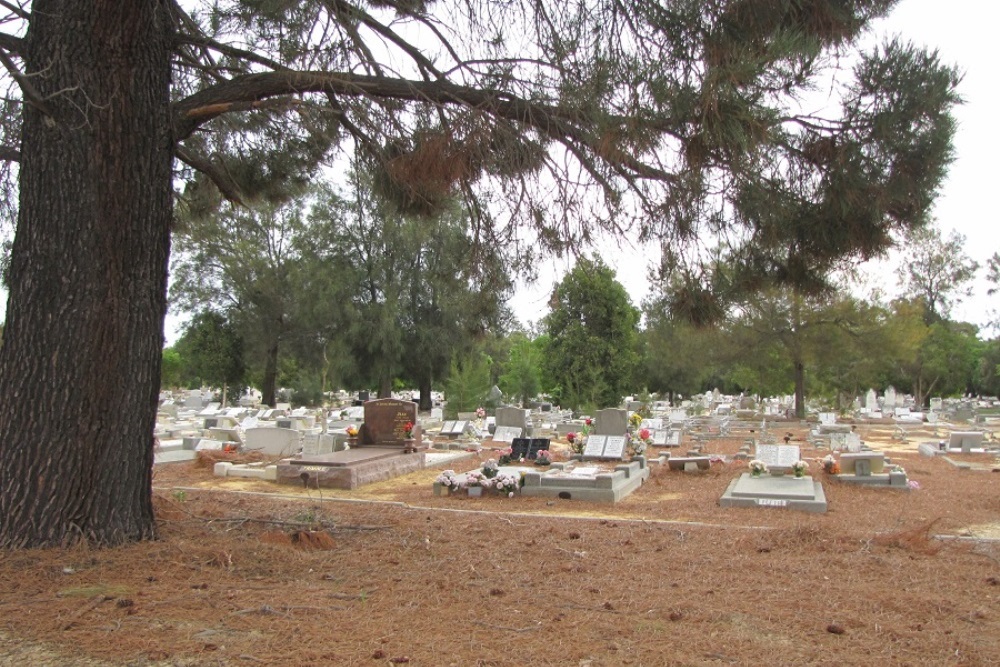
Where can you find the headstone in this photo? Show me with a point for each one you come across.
(871, 400)
(273, 441)
(966, 441)
(595, 446)
(612, 421)
(515, 417)
(437, 413)
(385, 419)
(778, 457)
(506, 434)
(528, 448)
(936, 404)
(615, 447)
(889, 401)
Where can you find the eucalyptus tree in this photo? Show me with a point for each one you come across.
(937, 270)
(629, 115)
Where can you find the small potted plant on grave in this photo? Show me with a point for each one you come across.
(543, 457)
(757, 468)
(474, 483)
(799, 468)
(446, 483)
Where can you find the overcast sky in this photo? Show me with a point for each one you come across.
(962, 32)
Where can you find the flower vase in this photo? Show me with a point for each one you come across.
(755, 473)
(799, 474)
(441, 490)
(409, 445)
(475, 491)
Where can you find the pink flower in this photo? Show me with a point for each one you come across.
(644, 434)
(570, 437)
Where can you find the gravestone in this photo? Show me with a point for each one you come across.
(595, 446)
(273, 441)
(437, 413)
(966, 441)
(778, 457)
(514, 417)
(612, 421)
(615, 448)
(385, 419)
(871, 400)
(506, 434)
(528, 448)
(889, 400)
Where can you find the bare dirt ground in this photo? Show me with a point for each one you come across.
(250, 573)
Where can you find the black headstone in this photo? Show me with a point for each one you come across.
(528, 448)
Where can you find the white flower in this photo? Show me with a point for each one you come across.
(510, 495)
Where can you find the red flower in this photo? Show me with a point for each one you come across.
(588, 421)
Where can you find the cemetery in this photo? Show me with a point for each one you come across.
(521, 524)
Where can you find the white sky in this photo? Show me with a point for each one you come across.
(962, 32)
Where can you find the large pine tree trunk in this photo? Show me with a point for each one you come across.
(424, 385)
(80, 364)
(269, 385)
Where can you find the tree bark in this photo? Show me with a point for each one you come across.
(800, 389)
(269, 390)
(424, 385)
(80, 364)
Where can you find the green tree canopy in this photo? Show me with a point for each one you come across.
(592, 351)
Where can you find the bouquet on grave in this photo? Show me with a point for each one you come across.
(506, 456)
(576, 442)
(352, 431)
(480, 413)
(474, 478)
(408, 430)
(449, 479)
(543, 457)
(830, 465)
(799, 468)
(638, 443)
(757, 467)
(490, 469)
(505, 483)
(635, 420)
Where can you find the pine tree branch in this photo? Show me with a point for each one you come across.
(251, 90)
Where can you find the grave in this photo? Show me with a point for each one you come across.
(574, 482)
(870, 468)
(689, 463)
(776, 489)
(795, 493)
(382, 451)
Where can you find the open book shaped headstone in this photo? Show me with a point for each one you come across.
(605, 447)
(779, 457)
(528, 448)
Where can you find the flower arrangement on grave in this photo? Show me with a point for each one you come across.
(830, 465)
(352, 431)
(490, 469)
(576, 442)
(799, 468)
(506, 483)
(474, 478)
(408, 430)
(543, 457)
(506, 456)
(635, 420)
(448, 479)
(757, 467)
(480, 413)
(637, 444)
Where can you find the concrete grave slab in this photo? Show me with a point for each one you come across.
(796, 493)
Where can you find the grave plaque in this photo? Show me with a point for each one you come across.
(528, 448)
(612, 421)
(595, 445)
(448, 427)
(506, 434)
(385, 421)
(778, 456)
(615, 447)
